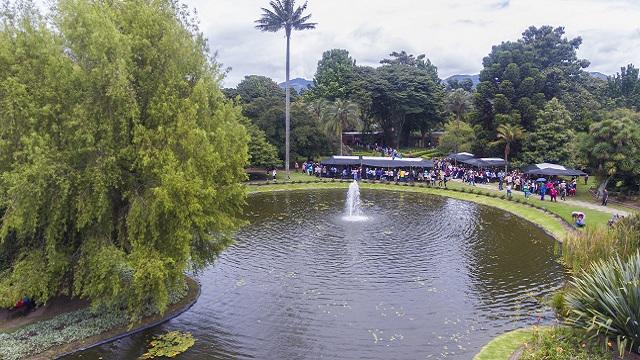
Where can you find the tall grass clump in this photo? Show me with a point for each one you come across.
(581, 248)
(605, 301)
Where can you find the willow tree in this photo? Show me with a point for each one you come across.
(285, 15)
(121, 159)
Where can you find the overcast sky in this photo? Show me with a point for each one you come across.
(454, 34)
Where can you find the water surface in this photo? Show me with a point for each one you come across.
(424, 277)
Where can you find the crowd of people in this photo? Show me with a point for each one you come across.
(445, 170)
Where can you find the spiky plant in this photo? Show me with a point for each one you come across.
(605, 301)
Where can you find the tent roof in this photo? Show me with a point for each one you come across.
(377, 161)
(551, 170)
(460, 156)
(484, 162)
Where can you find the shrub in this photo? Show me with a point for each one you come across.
(562, 343)
(605, 301)
(597, 243)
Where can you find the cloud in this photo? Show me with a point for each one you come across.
(455, 35)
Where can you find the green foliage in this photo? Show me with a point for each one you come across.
(402, 94)
(458, 137)
(561, 343)
(551, 136)
(608, 146)
(121, 160)
(341, 115)
(624, 87)
(256, 86)
(605, 301)
(69, 327)
(519, 77)
(169, 345)
(261, 152)
(333, 75)
(581, 249)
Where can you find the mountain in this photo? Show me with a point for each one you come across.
(298, 83)
(598, 75)
(475, 79)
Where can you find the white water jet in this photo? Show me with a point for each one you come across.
(352, 210)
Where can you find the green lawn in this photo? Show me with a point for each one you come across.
(501, 347)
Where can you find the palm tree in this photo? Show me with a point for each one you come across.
(508, 134)
(318, 107)
(340, 115)
(285, 15)
(458, 102)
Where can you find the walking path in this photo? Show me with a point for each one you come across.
(570, 201)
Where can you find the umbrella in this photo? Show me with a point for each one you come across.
(541, 180)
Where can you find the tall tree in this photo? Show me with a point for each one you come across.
(284, 15)
(624, 87)
(340, 115)
(121, 159)
(551, 138)
(335, 71)
(457, 136)
(458, 102)
(611, 148)
(508, 134)
(519, 77)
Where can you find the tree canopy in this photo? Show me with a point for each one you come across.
(121, 159)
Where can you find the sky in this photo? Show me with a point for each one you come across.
(454, 34)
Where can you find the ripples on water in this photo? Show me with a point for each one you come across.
(423, 278)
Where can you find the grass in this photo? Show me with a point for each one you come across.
(501, 347)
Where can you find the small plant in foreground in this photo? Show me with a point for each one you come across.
(605, 301)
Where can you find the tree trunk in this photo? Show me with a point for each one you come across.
(340, 131)
(506, 158)
(603, 185)
(287, 121)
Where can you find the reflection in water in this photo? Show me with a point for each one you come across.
(425, 277)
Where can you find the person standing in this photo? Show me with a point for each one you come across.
(525, 188)
(605, 197)
(563, 190)
(274, 173)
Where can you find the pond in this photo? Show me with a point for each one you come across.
(424, 277)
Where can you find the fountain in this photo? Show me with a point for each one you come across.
(352, 210)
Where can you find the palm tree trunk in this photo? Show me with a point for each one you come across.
(506, 158)
(287, 121)
(340, 131)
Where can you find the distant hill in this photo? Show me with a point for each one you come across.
(598, 75)
(298, 83)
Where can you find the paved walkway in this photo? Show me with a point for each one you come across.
(570, 201)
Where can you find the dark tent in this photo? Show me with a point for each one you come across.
(551, 170)
(382, 162)
(342, 160)
(397, 163)
(485, 162)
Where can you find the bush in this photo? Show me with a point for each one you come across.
(605, 301)
(562, 343)
(582, 248)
